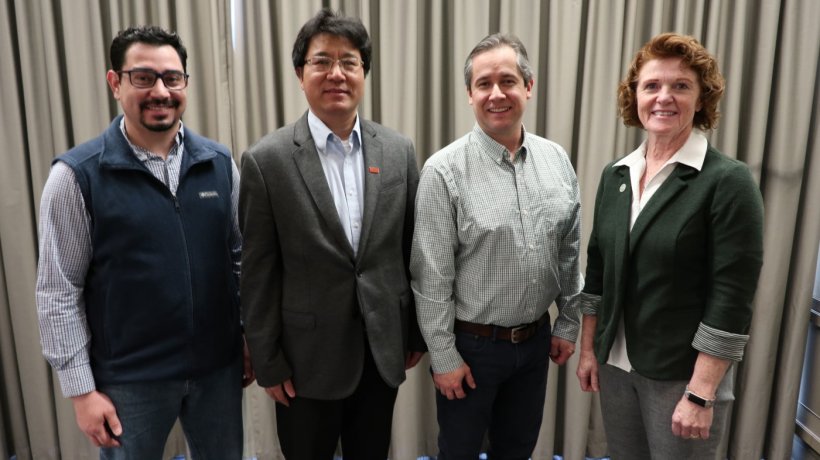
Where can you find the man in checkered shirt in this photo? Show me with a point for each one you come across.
(495, 244)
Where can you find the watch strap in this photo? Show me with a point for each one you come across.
(698, 399)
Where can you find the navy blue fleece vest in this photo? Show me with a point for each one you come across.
(161, 299)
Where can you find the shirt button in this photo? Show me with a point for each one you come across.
(532, 246)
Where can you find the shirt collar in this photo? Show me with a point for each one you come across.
(692, 154)
(496, 151)
(144, 154)
(320, 132)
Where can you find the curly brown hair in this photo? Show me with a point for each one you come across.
(695, 57)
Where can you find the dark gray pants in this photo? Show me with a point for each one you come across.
(637, 414)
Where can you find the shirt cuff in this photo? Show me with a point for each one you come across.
(565, 329)
(589, 303)
(445, 361)
(721, 344)
(76, 381)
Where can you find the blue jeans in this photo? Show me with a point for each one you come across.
(507, 403)
(209, 408)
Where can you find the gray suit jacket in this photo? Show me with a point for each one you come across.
(307, 301)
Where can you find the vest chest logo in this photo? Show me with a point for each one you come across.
(208, 194)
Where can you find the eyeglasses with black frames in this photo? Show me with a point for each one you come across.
(174, 80)
(325, 64)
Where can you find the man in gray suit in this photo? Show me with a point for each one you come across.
(326, 212)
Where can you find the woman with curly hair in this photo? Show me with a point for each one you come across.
(673, 263)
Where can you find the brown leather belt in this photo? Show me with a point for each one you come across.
(514, 334)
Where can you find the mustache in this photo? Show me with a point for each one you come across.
(170, 103)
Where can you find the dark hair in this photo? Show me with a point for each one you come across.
(150, 35)
(494, 41)
(695, 57)
(329, 22)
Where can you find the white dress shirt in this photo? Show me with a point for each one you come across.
(343, 163)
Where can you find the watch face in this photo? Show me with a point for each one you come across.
(695, 399)
(698, 400)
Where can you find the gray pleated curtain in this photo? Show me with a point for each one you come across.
(53, 95)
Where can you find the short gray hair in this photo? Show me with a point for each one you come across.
(494, 41)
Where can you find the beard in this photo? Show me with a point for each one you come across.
(160, 125)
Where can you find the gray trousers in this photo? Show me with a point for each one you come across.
(637, 414)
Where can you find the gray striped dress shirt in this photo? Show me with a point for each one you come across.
(495, 242)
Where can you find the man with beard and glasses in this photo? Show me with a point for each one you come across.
(137, 284)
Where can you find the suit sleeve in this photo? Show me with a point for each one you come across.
(415, 339)
(261, 281)
(590, 297)
(736, 246)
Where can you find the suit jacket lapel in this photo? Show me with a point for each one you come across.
(373, 163)
(310, 167)
(674, 185)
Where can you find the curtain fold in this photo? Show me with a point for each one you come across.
(788, 243)
(54, 96)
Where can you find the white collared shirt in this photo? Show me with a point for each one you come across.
(693, 154)
(343, 164)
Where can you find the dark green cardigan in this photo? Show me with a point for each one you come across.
(694, 255)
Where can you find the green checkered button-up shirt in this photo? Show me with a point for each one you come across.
(496, 242)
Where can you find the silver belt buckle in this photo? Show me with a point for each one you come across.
(514, 333)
